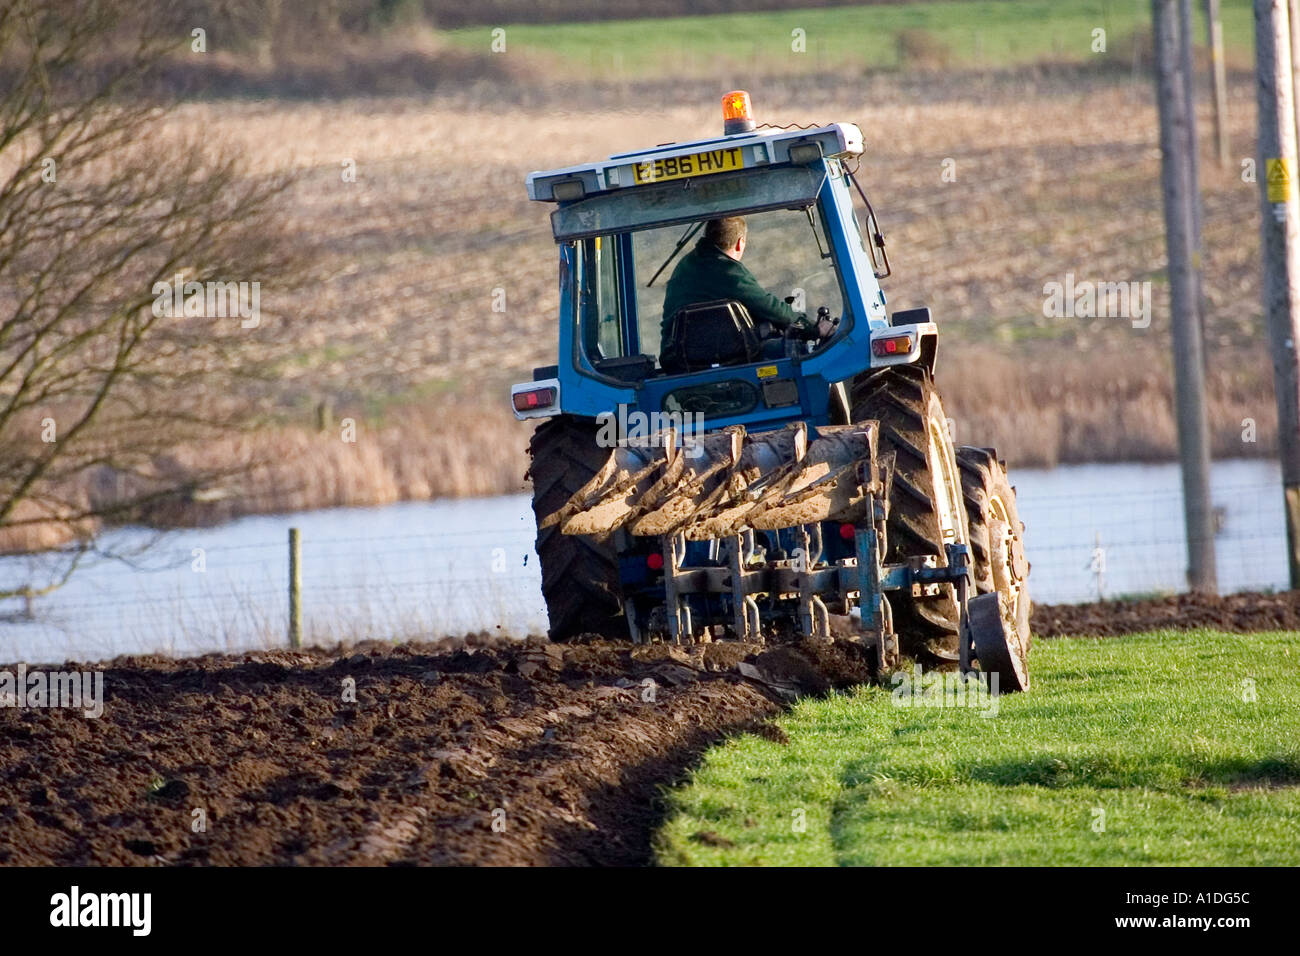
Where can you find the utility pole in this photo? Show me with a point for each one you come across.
(1187, 57)
(1280, 247)
(1189, 367)
(1218, 79)
(1293, 18)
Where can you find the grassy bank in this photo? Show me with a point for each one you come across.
(1171, 748)
(992, 34)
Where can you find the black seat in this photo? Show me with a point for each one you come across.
(709, 333)
(628, 368)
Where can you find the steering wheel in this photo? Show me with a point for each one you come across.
(810, 336)
(824, 313)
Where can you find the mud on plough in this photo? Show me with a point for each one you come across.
(731, 490)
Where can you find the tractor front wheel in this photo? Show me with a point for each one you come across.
(996, 536)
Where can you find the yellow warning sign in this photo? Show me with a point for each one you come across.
(766, 371)
(1280, 176)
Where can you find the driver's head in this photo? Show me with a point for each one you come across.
(727, 234)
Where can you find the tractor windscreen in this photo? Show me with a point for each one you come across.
(621, 314)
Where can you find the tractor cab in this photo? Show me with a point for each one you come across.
(625, 224)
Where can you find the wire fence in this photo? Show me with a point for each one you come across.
(426, 570)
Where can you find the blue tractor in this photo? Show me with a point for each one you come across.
(712, 474)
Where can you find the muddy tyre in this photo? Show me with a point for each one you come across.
(579, 574)
(996, 535)
(925, 506)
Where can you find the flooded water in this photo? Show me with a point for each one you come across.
(427, 569)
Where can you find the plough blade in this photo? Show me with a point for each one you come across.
(606, 501)
(726, 483)
(825, 486)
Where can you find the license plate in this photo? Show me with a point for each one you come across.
(695, 164)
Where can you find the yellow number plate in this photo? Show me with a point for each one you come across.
(696, 164)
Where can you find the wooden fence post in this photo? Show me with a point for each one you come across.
(295, 588)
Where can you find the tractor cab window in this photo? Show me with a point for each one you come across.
(787, 251)
(602, 335)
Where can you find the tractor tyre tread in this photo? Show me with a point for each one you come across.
(580, 577)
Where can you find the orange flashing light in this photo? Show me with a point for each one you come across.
(737, 113)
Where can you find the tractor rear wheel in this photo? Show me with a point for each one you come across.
(579, 574)
(996, 534)
(925, 506)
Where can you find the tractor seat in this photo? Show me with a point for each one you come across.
(707, 334)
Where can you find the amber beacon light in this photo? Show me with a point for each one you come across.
(737, 114)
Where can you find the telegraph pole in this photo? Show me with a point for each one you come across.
(1218, 79)
(1293, 18)
(1189, 367)
(1280, 247)
(1187, 57)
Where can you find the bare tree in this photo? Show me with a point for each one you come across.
(138, 275)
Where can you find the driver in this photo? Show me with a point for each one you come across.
(712, 270)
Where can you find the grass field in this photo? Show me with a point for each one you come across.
(994, 34)
(1172, 748)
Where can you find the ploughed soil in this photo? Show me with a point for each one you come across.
(1233, 612)
(459, 752)
(474, 751)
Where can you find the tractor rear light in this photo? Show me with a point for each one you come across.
(737, 114)
(655, 561)
(892, 345)
(534, 398)
(567, 190)
(847, 531)
(805, 153)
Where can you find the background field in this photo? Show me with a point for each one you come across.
(1055, 175)
(1056, 161)
(1186, 741)
(985, 34)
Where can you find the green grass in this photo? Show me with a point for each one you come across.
(996, 33)
(1154, 730)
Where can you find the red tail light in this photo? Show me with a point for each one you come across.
(536, 398)
(894, 345)
(655, 562)
(847, 531)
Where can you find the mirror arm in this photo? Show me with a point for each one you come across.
(877, 238)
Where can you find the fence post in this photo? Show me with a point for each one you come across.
(1180, 241)
(295, 588)
(1098, 566)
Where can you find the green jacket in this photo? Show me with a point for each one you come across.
(706, 273)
